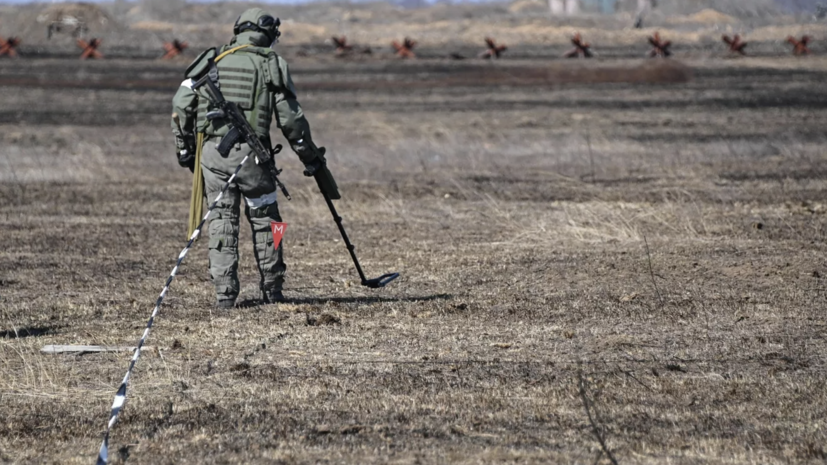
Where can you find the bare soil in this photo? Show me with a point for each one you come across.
(654, 250)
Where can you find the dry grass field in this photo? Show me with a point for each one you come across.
(635, 263)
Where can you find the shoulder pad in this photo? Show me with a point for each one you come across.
(280, 74)
(262, 51)
(199, 65)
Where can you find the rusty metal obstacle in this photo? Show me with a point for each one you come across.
(736, 45)
(8, 47)
(800, 47)
(581, 48)
(90, 49)
(405, 48)
(174, 49)
(342, 46)
(660, 47)
(494, 50)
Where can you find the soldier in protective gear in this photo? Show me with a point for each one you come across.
(253, 76)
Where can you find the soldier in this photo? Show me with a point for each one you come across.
(253, 76)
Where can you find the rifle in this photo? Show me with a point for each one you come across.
(240, 128)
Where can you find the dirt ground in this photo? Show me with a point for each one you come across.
(635, 263)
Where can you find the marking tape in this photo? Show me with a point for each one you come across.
(120, 397)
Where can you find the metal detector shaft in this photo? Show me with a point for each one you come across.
(371, 283)
(350, 247)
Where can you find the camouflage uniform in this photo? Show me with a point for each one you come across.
(252, 75)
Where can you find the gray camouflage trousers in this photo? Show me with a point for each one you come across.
(254, 187)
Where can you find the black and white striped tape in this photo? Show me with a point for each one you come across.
(120, 397)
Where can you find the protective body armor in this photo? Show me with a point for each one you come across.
(244, 75)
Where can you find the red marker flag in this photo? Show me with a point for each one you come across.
(278, 232)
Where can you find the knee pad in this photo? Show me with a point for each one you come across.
(223, 243)
(270, 211)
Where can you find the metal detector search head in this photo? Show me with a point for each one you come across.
(380, 281)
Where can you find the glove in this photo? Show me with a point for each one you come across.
(310, 155)
(315, 165)
(186, 159)
(307, 151)
(184, 147)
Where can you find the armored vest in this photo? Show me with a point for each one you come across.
(243, 77)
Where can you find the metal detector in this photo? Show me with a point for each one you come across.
(374, 283)
(242, 131)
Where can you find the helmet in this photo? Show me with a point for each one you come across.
(255, 19)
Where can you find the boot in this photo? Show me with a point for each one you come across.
(272, 296)
(225, 304)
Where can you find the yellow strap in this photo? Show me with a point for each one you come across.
(197, 196)
(230, 51)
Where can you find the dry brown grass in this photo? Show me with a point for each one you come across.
(517, 216)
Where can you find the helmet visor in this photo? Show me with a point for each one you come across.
(268, 22)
